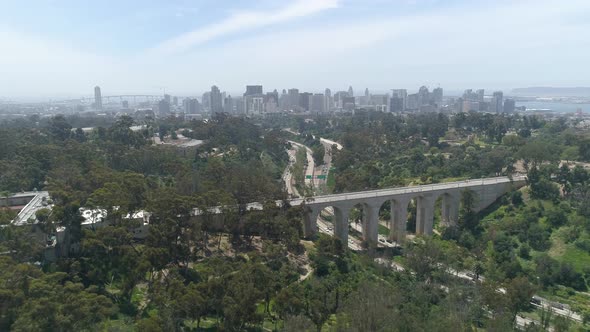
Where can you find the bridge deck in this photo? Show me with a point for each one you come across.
(324, 199)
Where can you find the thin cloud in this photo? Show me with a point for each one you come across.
(243, 21)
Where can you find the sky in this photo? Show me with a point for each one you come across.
(63, 48)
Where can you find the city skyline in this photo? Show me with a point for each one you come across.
(59, 49)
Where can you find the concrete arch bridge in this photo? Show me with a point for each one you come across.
(486, 191)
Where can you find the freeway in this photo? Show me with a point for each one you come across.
(288, 176)
(309, 170)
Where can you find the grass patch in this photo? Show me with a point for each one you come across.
(558, 246)
(577, 257)
(331, 182)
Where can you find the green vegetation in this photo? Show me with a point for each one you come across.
(251, 270)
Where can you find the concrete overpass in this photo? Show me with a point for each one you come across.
(486, 191)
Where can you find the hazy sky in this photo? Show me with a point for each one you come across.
(65, 47)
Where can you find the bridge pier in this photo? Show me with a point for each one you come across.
(371, 222)
(424, 215)
(397, 222)
(341, 223)
(487, 191)
(450, 209)
(310, 226)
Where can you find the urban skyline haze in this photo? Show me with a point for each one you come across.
(61, 48)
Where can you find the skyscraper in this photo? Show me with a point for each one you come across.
(254, 104)
(509, 105)
(97, 98)
(206, 101)
(396, 104)
(403, 95)
(304, 100)
(423, 96)
(328, 100)
(317, 103)
(191, 106)
(163, 108)
(284, 101)
(413, 102)
(480, 95)
(496, 104)
(437, 96)
(216, 100)
(348, 103)
(228, 105)
(350, 92)
(253, 90)
(293, 99)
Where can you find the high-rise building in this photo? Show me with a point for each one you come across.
(437, 96)
(163, 108)
(328, 100)
(97, 98)
(284, 101)
(239, 106)
(206, 101)
(413, 102)
(423, 96)
(350, 92)
(339, 98)
(228, 105)
(496, 105)
(253, 90)
(293, 99)
(175, 101)
(509, 105)
(396, 104)
(216, 100)
(379, 102)
(348, 103)
(402, 94)
(470, 105)
(275, 95)
(317, 103)
(271, 104)
(254, 104)
(191, 106)
(168, 98)
(480, 95)
(304, 98)
(125, 104)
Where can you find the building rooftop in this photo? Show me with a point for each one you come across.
(39, 201)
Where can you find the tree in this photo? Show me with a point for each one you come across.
(536, 152)
(59, 128)
(368, 308)
(584, 149)
(467, 217)
(424, 257)
(318, 152)
(518, 293)
(556, 217)
(514, 142)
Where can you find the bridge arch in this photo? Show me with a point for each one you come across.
(425, 196)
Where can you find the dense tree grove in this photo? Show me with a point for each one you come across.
(252, 270)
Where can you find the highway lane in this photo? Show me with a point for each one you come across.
(309, 170)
